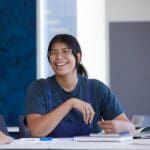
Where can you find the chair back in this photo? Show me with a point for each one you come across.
(23, 129)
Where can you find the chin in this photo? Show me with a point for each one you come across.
(61, 73)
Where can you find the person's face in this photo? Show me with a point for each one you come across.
(61, 59)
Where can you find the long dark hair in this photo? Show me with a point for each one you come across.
(72, 42)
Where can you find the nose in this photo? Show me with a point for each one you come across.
(59, 55)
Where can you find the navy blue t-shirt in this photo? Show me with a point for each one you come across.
(44, 95)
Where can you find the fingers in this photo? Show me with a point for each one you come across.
(85, 108)
(89, 113)
(109, 130)
(106, 122)
(84, 113)
(107, 126)
(92, 114)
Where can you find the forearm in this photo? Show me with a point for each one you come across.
(43, 125)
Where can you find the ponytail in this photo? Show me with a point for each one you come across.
(81, 70)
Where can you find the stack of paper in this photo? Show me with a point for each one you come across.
(104, 137)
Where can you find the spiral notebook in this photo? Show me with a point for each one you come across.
(103, 137)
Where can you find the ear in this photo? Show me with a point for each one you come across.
(79, 57)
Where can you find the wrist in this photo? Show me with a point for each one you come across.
(70, 103)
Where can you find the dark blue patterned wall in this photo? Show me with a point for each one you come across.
(17, 55)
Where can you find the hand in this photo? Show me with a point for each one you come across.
(85, 108)
(114, 126)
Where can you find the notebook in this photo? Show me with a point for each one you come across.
(103, 137)
(143, 133)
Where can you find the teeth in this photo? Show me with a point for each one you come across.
(61, 64)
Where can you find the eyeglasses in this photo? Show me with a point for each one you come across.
(63, 52)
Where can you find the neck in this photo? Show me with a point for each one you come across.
(68, 82)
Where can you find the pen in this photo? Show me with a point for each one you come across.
(46, 139)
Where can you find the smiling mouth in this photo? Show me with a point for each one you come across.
(61, 65)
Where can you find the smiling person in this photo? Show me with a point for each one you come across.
(69, 104)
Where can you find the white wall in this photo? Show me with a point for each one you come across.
(91, 36)
(128, 10)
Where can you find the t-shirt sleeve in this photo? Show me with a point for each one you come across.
(110, 105)
(36, 99)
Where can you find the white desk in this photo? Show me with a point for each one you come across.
(138, 144)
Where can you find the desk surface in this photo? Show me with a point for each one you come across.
(138, 144)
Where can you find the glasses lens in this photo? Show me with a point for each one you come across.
(62, 52)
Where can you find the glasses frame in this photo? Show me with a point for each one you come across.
(64, 52)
